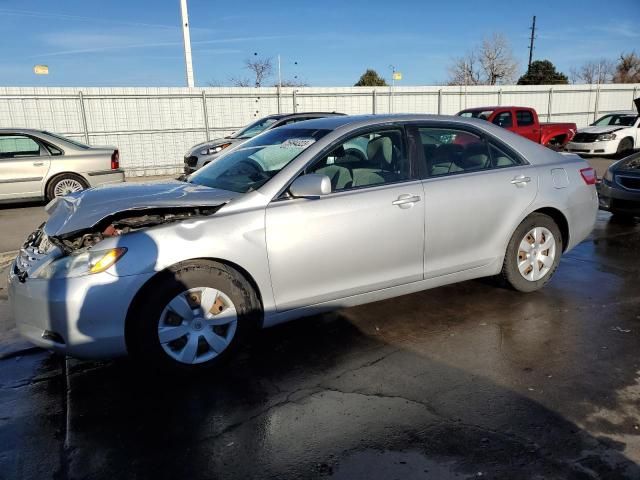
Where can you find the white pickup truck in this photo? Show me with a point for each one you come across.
(615, 133)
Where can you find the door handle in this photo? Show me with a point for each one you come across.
(38, 164)
(406, 200)
(520, 180)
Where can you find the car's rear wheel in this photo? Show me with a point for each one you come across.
(625, 146)
(533, 253)
(192, 317)
(64, 185)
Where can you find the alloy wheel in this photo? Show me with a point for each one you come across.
(67, 186)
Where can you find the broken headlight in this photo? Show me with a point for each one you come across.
(83, 264)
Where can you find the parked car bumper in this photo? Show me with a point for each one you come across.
(594, 148)
(106, 177)
(613, 198)
(82, 316)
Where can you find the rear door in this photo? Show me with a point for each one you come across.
(24, 164)
(527, 125)
(475, 190)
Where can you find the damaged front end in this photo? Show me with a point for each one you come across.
(125, 222)
(40, 251)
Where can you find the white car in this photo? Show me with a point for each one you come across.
(615, 133)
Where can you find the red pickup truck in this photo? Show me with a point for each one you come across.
(524, 121)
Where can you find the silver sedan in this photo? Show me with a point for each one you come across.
(36, 164)
(302, 219)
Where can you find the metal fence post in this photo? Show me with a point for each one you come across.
(278, 93)
(295, 102)
(635, 93)
(83, 115)
(373, 101)
(499, 96)
(550, 104)
(595, 107)
(439, 101)
(206, 115)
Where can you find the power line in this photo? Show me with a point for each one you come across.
(533, 37)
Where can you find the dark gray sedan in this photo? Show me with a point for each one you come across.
(620, 187)
(203, 153)
(36, 164)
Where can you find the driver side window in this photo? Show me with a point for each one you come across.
(373, 158)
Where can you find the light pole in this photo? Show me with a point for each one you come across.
(393, 84)
(187, 43)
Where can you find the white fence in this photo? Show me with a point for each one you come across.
(154, 127)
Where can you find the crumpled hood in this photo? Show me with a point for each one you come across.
(195, 150)
(85, 209)
(598, 130)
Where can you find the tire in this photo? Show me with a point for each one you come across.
(515, 256)
(187, 343)
(56, 186)
(625, 146)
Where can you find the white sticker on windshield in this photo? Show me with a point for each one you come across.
(297, 143)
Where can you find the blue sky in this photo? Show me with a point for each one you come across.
(139, 42)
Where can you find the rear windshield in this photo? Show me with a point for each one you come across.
(254, 128)
(67, 140)
(481, 114)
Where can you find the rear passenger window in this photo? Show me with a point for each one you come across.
(504, 120)
(374, 158)
(16, 146)
(449, 151)
(525, 118)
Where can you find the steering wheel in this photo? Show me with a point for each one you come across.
(249, 168)
(354, 152)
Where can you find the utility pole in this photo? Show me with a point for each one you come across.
(187, 43)
(533, 37)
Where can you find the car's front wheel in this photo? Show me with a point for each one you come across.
(533, 253)
(192, 316)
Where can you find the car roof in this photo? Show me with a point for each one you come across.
(280, 116)
(482, 109)
(355, 121)
(621, 112)
(21, 130)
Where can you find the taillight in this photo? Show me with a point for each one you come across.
(589, 176)
(115, 160)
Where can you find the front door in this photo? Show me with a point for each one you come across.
(366, 235)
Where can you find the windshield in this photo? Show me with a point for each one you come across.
(65, 139)
(481, 114)
(254, 128)
(258, 160)
(624, 120)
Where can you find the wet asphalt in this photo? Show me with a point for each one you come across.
(464, 381)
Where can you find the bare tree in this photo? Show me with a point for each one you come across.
(628, 69)
(240, 82)
(594, 71)
(491, 64)
(261, 69)
(465, 70)
(497, 60)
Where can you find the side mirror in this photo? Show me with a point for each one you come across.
(312, 185)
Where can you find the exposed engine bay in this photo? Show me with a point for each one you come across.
(125, 222)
